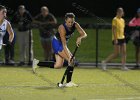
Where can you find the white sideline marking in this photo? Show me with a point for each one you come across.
(96, 99)
(130, 98)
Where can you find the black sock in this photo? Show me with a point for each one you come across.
(49, 64)
(69, 74)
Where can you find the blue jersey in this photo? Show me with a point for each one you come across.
(56, 42)
(69, 33)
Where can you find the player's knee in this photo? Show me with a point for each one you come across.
(116, 54)
(71, 64)
(124, 54)
(58, 66)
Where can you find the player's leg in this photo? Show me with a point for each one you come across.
(12, 53)
(21, 40)
(69, 69)
(6, 51)
(58, 50)
(59, 63)
(138, 58)
(60, 59)
(51, 64)
(26, 45)
(112, 56)
(45, 47)
(123, 56)
(137, 55)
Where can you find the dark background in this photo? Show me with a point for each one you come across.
(102, 8)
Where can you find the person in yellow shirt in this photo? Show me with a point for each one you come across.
(118, 40)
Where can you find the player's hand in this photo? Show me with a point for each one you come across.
(115, 41)
(78, 42)
(71, 61)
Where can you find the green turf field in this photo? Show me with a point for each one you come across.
(19, 83)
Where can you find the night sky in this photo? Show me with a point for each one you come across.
(102, 8)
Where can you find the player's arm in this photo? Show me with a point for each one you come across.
(10, 31)
(132, 22)
(62, 32)
(36, 20)
(114, 28)
(82, 34)
(115, 34)
(52, 20)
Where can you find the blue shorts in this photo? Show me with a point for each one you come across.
(57, 45)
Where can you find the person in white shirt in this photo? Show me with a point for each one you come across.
(5, 26)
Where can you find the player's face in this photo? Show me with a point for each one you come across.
(3, 13)
(21, 10)
(44, 12)
(70, 22)
(120, 12)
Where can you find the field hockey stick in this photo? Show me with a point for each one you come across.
(66, 71)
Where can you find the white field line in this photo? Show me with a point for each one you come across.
(127, 98)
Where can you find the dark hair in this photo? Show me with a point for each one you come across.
(2, 7)
(119, 9)
(69, 15)
(44, 8)
(21, 7)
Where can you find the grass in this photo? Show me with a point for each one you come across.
(19, 83)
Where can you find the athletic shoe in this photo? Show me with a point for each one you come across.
(103, 65)
(71, 84)
(34, 65)
(21, 63)
(124, 68)
(11, 61)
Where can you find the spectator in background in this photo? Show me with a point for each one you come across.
(46, 23)
(9, 49)
(135, 22)
(23, 21)
(118, 40)
(5, 26)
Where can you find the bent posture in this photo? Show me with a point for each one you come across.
(59, 44)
